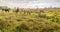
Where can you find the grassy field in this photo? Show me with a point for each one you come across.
(36, 20)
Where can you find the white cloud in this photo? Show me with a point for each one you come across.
(30, 3)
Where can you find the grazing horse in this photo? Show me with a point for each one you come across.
(27, 12)
(6, 10)
(42, 11)
(17, 10)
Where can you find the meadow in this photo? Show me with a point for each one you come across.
(30, 20)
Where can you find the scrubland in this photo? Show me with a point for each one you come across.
(33, 20)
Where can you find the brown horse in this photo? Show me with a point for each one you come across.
(16, 10)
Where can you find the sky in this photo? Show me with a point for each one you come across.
(30, 3)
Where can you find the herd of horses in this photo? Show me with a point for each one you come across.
(25, 11)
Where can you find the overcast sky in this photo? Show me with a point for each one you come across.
(30, 3)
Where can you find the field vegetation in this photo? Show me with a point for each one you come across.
(30, 20)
